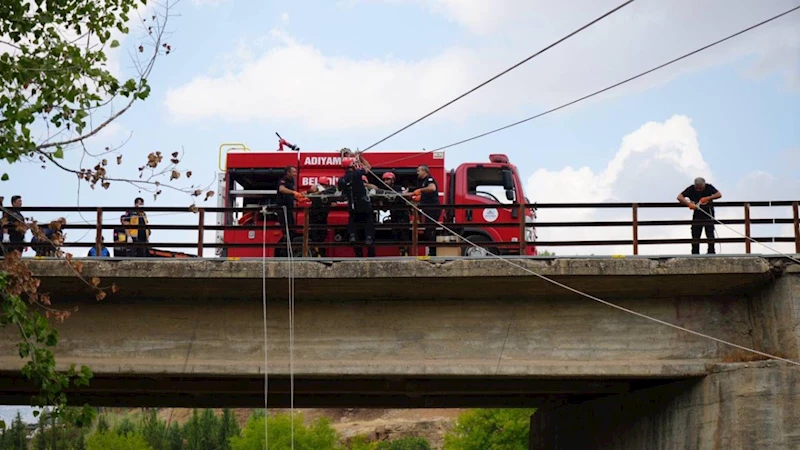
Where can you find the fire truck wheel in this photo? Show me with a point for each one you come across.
(481, 241)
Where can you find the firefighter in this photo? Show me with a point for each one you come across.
(699, 198)
(138, 232)
(398, 217)
(14, 225)
(286, 197)
(318, 213)
(427, 194)
(361, 219)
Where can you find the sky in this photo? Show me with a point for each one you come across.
(345, 73)
(333, 74)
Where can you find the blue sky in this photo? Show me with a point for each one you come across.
(333, 74)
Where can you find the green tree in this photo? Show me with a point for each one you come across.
(114, 441)
(16, 436)
(405, 443)
(154, 430)
(57, 93)
(498, 429)
(102, 424)
(174, 437)
(228, 428)
(319, 436)
(125, 427)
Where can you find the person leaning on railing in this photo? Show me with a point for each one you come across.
(699, 198)
(14, 225)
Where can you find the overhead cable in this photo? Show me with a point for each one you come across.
(554, 44)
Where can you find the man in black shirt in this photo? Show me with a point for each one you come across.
(14, 224)
(318, 214)
(286, 197)
(399, 216)
(427, 193)
(361, 219)
(699, 198)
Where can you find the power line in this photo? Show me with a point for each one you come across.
(608, 88)
(503, 73)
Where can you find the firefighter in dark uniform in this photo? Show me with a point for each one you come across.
(286, 197)
(398, 216)
(427, 194)
(699, 198)
(318, 214)
(361, 220)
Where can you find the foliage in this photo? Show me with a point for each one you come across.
(54, 70)
(405, 443)
(228, 428)
(108, 441)
(57, 431)
(361, 443)
(37, 339)
(15, 437)
(319, 436)
(546, 253)
(125, 426)
(174, 438)
(499, 429)
(154, 431)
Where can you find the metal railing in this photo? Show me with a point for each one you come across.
(305, 228)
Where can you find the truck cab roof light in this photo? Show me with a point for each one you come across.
(498, 158)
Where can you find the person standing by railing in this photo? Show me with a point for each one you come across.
(14, 225)
(137, 232)
(699, 198)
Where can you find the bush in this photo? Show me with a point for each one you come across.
(109, 441)
(319, 436)
(406, 443)
(498, 429)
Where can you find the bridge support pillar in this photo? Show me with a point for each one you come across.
(738, 405)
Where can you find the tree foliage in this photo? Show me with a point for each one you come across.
(16, 436)
(498, 429)
(405, 443)
(111, 440)
(318, 436)
(54, 70)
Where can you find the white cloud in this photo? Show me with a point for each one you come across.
(653, 164)
(294, 80)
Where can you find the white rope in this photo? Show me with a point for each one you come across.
(290, 254)
(589, 296)
(748, 237)
(264, 306)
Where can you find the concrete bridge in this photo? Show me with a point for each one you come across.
(411, 333)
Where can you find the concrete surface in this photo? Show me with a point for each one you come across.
(407, 333)
(737, 406)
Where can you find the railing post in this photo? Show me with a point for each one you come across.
(747, 228)
(305, 231)
(796, 227)
(414, 233)
(635, 228)
(201, 221)
(523, 243)
(98, 239)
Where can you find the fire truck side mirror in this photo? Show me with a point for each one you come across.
(508, 180)
(510, 195)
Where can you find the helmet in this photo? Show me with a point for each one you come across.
(325, 181)
(388, 176)
(348, 162)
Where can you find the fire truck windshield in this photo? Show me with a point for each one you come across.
(491, 183)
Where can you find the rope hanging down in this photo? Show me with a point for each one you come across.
(290, 254)
(554, 44)
(589, 296)
(264, 307)
(605, 89)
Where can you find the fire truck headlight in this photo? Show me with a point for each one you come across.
(529, 235)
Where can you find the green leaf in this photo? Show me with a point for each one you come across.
(59, 153)
(4, 177)
(114, 43)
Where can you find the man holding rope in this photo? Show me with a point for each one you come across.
(699, 198)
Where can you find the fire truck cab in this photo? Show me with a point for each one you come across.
(250, 179)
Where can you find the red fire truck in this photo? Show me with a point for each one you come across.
(250, 179)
